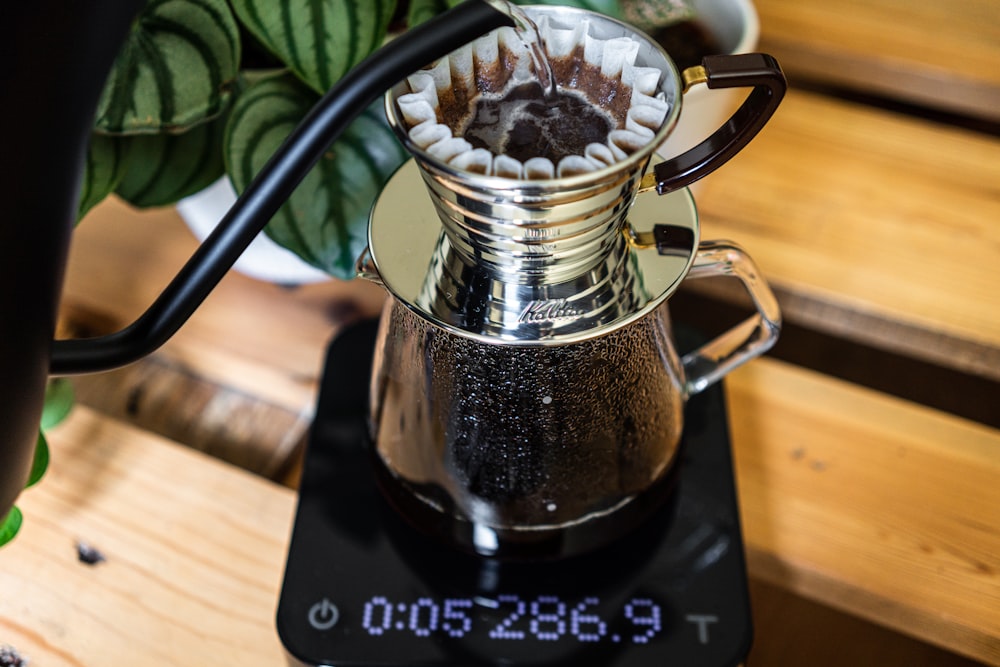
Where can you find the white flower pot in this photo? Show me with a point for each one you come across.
(737, 28)
(263, 259)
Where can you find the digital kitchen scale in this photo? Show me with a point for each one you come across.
(363, 589)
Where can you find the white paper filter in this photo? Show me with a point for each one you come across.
(494, 63)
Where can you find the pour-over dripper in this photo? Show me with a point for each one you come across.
(516, 249)
(533, 259)
(526, 397)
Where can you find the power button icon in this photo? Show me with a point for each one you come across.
(323, 615)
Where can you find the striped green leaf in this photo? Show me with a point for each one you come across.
(163, 168)
(607, 7)
(422, 10)
(176, 68)
(653, 14)
(325, 221)
(102, 170)
(319, 40)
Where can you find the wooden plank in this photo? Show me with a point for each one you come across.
(874, 506)
(877, 508)
(871, 505)
(255, 337)
(193, 556)
(872, 226)
(239, 380)
(162, 396)
(791, 631)
(940, 54)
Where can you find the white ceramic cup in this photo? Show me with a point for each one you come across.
(735, 25)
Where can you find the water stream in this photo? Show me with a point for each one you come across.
(528, 32)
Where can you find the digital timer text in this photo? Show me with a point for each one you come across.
(545, 618)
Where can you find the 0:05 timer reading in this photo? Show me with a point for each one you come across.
(546, 618)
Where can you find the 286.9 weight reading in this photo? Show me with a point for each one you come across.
(512, 618)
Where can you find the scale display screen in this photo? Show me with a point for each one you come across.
(510, 618)
(364, 589)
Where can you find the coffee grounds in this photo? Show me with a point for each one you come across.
(526, 123)
(475, 111)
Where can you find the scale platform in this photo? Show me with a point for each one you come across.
(364, 589)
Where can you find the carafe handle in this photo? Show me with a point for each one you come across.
(751, 338)
(757, 70)
(365, 267)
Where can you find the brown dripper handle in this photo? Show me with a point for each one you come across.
(757, 70)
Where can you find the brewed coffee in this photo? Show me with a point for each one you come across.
(687, 43)
(513, 437)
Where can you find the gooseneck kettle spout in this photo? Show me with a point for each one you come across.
(274, 184)
(60, 61)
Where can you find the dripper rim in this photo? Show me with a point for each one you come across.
(527, 186)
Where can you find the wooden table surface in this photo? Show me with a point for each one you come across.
(941, 55)
(870, 501)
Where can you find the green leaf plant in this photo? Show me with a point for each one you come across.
(58, 402)
(209, 88)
